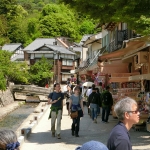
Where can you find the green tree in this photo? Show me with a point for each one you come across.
(13, 15)
(136, 12)
(86, 27)
(40, 72)
(18, 73)
(58, 20)
(11, 71)
(3, 30)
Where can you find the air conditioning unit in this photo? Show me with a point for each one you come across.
(140, 58)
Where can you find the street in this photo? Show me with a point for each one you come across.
(41, 138)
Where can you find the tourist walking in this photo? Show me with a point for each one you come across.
(67, 95)
(56, 99)
(98, 106)
(84, 90)
(8, 140)
(93, 101)
(100, 87)
(128, 114)
(107, 102)
(76, 104)
(89, 91)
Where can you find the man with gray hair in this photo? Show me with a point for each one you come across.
(128, 114)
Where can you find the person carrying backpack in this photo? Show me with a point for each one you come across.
(107, 102)
(94, 102)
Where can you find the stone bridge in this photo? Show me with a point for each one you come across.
(30, 92)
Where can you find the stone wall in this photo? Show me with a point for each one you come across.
(6, 98)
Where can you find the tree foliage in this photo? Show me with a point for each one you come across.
(136, 12)
(86, 27)
(58, 20)
(40, 72)
(19, 72)
(11, 71)
(23, 21)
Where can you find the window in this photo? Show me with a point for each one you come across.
(62, 55)
(65, 77)
(64, 62)
(67, 62)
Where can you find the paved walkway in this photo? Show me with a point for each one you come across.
(41, 138)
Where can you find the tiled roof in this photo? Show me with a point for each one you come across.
(11, 46)
(93, 38)
(59, 49)
(77, 49)
(84, 38)
(39, 42)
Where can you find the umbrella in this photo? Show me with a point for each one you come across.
(88, 84)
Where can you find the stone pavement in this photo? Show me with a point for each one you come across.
(41, 139)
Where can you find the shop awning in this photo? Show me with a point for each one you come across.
(130, 46)
(140, 77)
(134, 52)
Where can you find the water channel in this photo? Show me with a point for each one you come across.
(14, 119)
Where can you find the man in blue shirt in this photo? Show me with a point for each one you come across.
(56, 99)
(128, 114)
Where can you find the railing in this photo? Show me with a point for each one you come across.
(120, 36)
(93, 61)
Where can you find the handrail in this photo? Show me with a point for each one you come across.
(93, 60)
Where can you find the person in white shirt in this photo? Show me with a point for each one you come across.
(65, 89)
(89, 91)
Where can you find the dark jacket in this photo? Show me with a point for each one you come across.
(109, 98)
(94, 98)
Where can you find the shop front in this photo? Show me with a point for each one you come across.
(128, 70)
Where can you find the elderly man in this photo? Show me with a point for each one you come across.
(128, 114)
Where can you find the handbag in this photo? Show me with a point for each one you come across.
(74, 114)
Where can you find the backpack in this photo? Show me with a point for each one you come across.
(106, 99)
(93, 100)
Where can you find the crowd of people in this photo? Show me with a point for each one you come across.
(119, 139)
(96, 98)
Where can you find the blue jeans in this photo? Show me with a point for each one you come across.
(98, 110)
(105, 113)
(93, 108)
